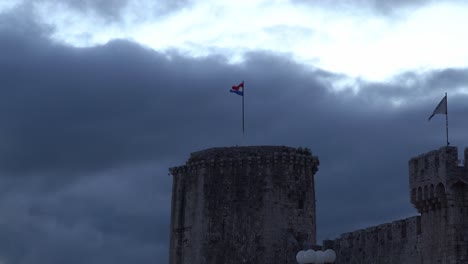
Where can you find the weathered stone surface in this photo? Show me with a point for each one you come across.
(243, 205)
(395, 242)
(438, 190)
(257, 205)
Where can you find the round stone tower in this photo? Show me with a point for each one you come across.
(238, 205)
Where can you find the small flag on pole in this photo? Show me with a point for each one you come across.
(441, 108)
(235, 89)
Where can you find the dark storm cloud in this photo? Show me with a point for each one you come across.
(112, 217)
(71, 109)
(66, 108)
(88, 135)
(114, 10)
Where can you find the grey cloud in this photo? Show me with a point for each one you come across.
(385, 7)
(112, 217)
(115, 10)
(88, 135)
(71, 109)
(414, 89)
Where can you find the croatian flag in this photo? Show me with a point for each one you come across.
(236, 89)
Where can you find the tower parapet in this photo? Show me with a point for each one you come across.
(258, 156)
(438, 187)
(431, 175)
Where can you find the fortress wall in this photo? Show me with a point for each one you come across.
(248, 205)
(438, 183)
(186, 214)
(397, 242)
(435, 169)
(439, 191)
(256, 205)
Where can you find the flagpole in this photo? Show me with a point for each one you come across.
(243, 95)
(446, 119)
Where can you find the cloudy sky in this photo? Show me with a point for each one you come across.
(100, 97)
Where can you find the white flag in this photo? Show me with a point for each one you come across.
(441, 108)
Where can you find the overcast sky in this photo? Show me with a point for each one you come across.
(99, 98)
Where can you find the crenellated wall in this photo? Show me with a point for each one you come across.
(243, 205)
(256, 205)
(395, 242)
(430, 174)
(438, 190)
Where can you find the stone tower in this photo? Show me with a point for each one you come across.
(438, 186)
(236, 205)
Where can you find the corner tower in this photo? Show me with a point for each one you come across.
(237, 205)
(438, 189)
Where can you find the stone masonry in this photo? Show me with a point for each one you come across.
(234, 205)
(396, 242)
(257, 205)
(438, 190)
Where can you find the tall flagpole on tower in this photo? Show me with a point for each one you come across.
(236, 89)
(446, 118)
(243, 95)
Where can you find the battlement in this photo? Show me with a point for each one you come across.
(435, 166)
(432, 174)
(255, 155)
(395, 231)
(366, 245)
